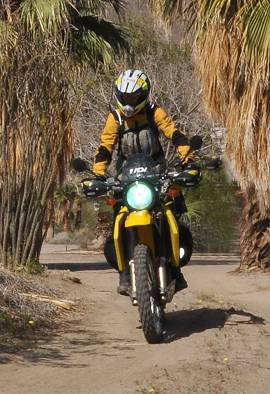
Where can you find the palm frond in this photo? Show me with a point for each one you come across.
(96, 6)
(167, 10)
(194, 209)
(8, 35)
(235, 37)
(45, 16)
(255, 19)
(226, 8)
(95, 39)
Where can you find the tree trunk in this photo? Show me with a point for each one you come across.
(49, 223)
(254, 235)
(78, 215)
(68, 216)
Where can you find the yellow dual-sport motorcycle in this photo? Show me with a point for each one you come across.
(147, 238)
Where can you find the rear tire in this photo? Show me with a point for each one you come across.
(151, 314)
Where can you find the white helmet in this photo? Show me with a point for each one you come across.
(132, 89)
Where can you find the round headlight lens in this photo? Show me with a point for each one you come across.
(140, 196)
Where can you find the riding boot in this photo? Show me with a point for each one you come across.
(124, 283)
(180, 282)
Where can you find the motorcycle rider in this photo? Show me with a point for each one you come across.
(135, 126)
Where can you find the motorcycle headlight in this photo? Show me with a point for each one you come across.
(140, 195)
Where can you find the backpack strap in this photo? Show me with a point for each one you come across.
(150, 110)
(151, 120)
(117, 116)
(121, 129)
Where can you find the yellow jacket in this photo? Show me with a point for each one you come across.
(110, 135)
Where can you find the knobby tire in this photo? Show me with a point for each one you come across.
(144, 285)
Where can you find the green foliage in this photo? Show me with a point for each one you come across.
(66, 192)
(253, 20)
(75, 26)
(34, 267)
(89, 215)
(43, 16)
(145, 40)
(214, 226)
(40, 62)
(94, 39)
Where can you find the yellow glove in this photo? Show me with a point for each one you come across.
(184, 154)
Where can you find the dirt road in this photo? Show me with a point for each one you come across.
(217, 338)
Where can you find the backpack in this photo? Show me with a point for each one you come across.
(132, 136)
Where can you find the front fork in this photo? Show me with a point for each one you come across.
(162, 246)
(132, 237)
(130, 246)
(162, 280)
(162, 274)
(133, 282)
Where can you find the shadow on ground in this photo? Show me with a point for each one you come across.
(214, 262)
(62, 348)
(65, 347)
(91, 266)
(103, 265)
(184, 323)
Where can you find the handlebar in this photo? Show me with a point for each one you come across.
(97, 187)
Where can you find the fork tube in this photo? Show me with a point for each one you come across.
(162, 276)
(132, 240)
(132, 279)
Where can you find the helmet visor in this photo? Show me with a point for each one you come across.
(132, 99)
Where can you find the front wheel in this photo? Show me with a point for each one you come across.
(151, 313)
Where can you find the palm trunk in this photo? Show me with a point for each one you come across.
(33, 149)
(49, 223)
(67, 222)
(254, 235)
(78, 215)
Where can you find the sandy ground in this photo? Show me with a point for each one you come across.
(217, 336)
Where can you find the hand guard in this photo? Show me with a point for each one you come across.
(193, 172)
(99, 177)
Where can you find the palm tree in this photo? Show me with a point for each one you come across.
(65, 196)
(43, 47)
(233, 58)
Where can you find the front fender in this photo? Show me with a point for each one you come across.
(142, 221)
(139, 218)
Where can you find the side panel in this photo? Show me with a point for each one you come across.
(174, 232)
(117, 236)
